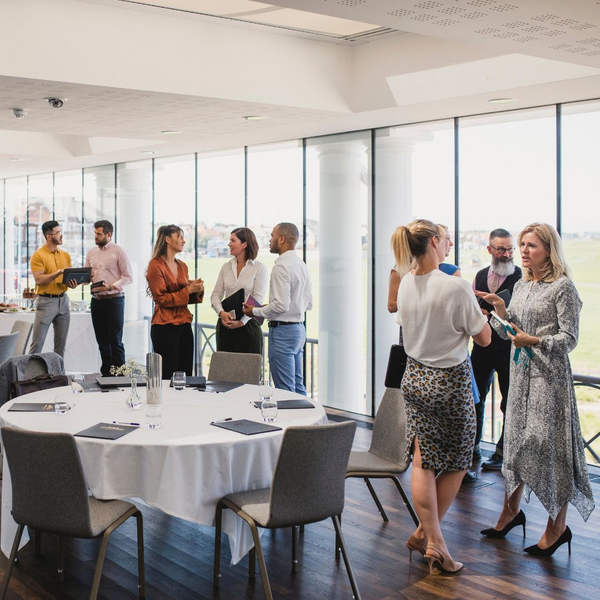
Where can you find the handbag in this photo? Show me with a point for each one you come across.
(396, 366)
(45, 381)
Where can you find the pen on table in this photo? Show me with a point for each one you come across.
(125, 423)
(222, 420)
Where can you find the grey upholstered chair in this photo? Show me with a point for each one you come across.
(23, 328)
(7, 346)
(50, 494)
(308, 486)
(235, 367)
(385, 458)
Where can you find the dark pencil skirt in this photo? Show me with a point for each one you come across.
(247, 339)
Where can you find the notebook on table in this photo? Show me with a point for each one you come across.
(246, 427)
(218, 387)
(32, 407)
(119, 381)
(192, 381)
(295, 404)
(106, 431)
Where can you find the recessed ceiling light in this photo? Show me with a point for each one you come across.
(502, 100)
(17, 159)
(254, 118)
(147, 152)
(170, 132)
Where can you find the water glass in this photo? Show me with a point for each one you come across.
(61, 405)
(153, 416)
(265, 390)
(179, 380)
(77, 383)
(269, 410)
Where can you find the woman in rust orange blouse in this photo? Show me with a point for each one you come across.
(172, 291)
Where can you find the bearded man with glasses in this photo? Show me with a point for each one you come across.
(499, 277)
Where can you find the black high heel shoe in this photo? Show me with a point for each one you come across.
(501, 533)
(565, 538)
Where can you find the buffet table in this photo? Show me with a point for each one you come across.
(81, 353)
(183, 468)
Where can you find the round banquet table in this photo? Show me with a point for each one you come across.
(183, 468)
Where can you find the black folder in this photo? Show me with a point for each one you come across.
(246, 427)
(293, 404)
(218, 386)
(119, 381)
(32, 407)
(234, 302)
(192, 381)
(106, 431)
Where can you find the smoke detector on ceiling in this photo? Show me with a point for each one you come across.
(20, 113)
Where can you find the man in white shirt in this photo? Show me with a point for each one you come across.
(110, 265)
(290, 296)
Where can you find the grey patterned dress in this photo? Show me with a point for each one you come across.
(543, 447)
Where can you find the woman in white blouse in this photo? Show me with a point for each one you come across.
(242, 271)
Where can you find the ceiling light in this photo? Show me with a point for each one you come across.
(170, 132)
(254, 118)
(502, 100)
(56, 102)
(17, 159)
(148, 151)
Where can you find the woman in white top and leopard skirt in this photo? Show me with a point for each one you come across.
(438, 315)
(242, 271)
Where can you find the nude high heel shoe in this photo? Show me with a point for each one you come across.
(415, 544)
(436, 557)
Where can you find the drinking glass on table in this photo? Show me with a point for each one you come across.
(179, 380)
(61, 405)
(265, 390)
(77, 383)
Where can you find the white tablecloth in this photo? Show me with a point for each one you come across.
(183, 468)
(81, 353)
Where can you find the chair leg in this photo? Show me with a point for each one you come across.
(409, 506)
(338, 530)
(337, 540)
(252, 565)
(141, 568)
(376, 498)
(11, 561)
(294, 548)
(261, 561)
(217, 559)
(61, 559)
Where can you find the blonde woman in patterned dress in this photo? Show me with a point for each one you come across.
(543, 447)
(438, 314)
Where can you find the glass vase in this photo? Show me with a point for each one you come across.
(133, 401)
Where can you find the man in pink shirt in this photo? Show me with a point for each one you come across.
(112, 270)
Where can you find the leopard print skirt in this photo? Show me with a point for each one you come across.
(440, 413)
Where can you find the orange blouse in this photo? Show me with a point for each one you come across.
(170, 294)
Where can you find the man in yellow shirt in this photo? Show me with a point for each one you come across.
(52, 307)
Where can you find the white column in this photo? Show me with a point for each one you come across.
(393, 193)
(341, 343)
(134, 232)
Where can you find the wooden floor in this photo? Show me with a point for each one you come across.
(179, 556)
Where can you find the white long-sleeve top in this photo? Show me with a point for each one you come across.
(290, 290)
(253, 278)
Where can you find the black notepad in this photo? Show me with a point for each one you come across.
(219, 386)
(290, 404)
(234, 302)
(120, 381)
(106, 431)
(246, 427)
(32, 407)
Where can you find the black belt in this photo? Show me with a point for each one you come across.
(52, 295)
(111, 297)
(278, 323)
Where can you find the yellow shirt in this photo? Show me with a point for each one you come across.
(47, 261)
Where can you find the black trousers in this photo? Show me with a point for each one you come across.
(247, 339)
(495, 357)
(107, 319)
(175, 343)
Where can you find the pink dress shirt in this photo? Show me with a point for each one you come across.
(111, 264)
